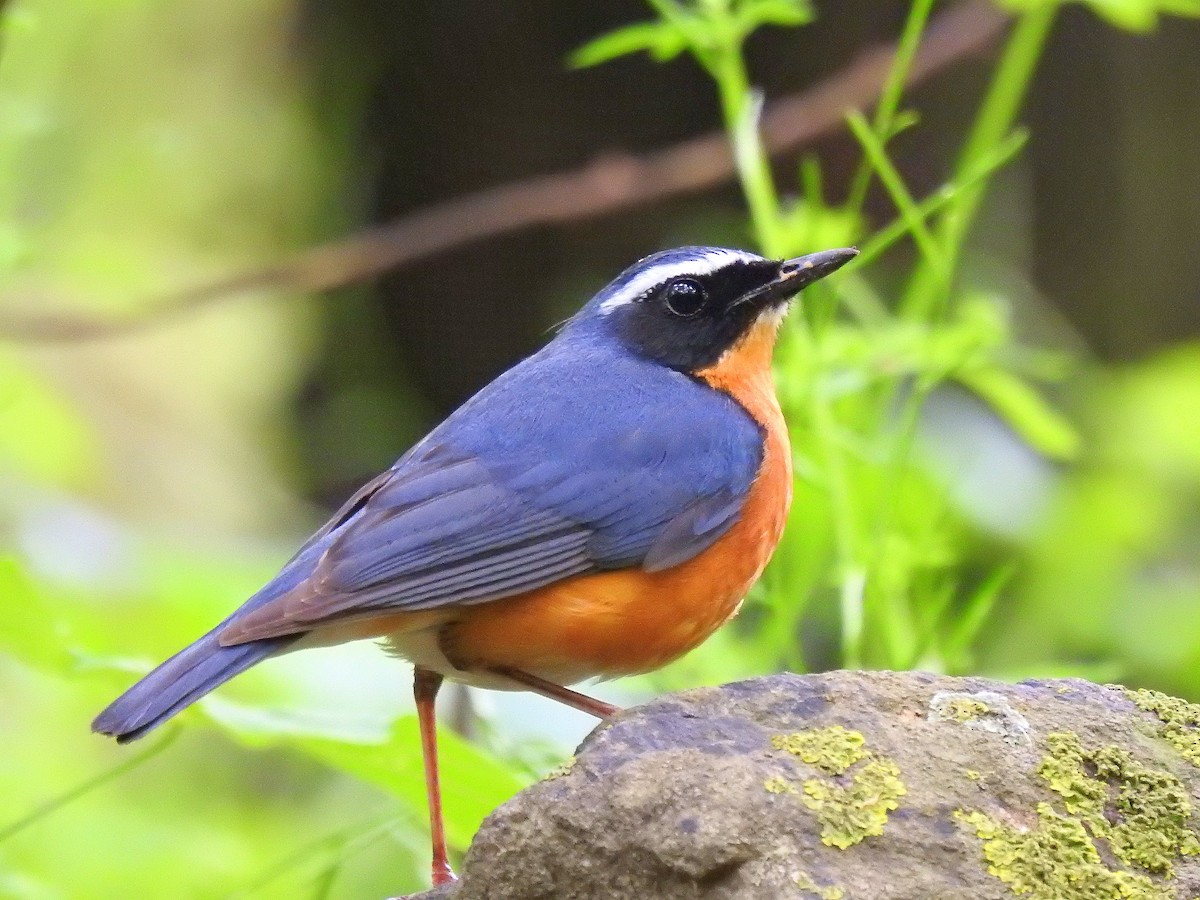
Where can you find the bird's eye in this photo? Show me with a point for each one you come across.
(685, 297)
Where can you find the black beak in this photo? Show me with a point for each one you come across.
(797, 274)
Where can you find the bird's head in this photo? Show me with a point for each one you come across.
(686, 308)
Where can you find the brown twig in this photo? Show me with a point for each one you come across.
(609, 184)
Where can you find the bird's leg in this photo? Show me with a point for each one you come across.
(574, 699)
(425, 688)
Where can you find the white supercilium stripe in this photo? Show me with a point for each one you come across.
(700, 264)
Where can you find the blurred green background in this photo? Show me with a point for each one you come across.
(999, 474)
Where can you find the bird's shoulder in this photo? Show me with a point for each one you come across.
(597, 406)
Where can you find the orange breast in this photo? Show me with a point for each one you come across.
(628, 621)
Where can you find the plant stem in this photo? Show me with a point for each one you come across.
(910, 211)
(740, 106)
(889, 234)
(889, 100)
(851, 576)
(927, 296)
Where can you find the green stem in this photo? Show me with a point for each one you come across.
(910, 210)
(739, 106)
(899, 467)
(885, 237)
(1009, 86)
(850, 574)
(893, 91)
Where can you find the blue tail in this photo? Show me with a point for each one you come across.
(205, 665)
(181, 681)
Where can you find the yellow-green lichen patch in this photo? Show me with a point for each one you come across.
(1180, 720)
(1062, 768)
(806, 884)
(972, 774)
(850, 813)
(834, 749)
(560, 770)
(780, 785)
(1055, 861)
(854, 806)
(1144, 814)
(964, 709)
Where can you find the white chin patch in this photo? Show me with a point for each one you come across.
(772, 317)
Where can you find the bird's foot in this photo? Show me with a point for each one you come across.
(442, 873)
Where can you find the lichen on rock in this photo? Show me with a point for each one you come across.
(806, 885)
(1180, 720)
(851, 813)
(848, 812)
(965, 708)
(562, 769)
(1142, 815)
(777, 784)
(1055, 861)
(834, 749)
(1146, 824)
(983, 711)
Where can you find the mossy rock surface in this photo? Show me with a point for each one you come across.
(862, 786)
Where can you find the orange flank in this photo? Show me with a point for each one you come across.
(628, 621)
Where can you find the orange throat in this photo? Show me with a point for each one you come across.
(744, 373)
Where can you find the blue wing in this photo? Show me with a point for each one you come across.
(616, 463)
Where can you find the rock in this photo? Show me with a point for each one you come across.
(862, 786)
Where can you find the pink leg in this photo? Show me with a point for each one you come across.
(425, 688)
(574, 699)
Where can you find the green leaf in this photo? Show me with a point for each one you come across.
(1023, 408)
(751, 14)
(1132, 15)
(1187, 8)
(662, 40)
(89, 784)
(698, 27)
(474, 782)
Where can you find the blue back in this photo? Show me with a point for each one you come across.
(581, 458)
(614, 442)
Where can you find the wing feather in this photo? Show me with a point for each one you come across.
(483, 510)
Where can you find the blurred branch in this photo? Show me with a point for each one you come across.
(612, 183)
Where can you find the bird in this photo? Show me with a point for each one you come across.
(597, 510)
